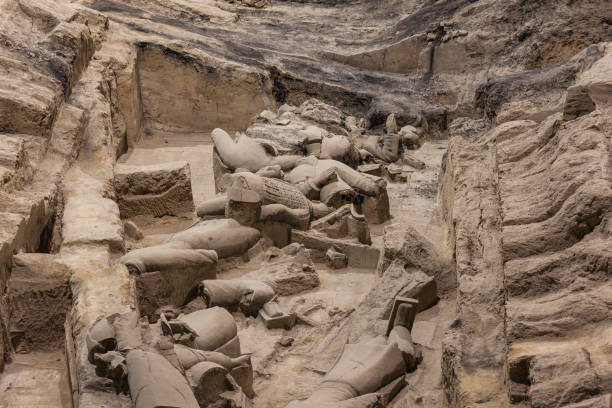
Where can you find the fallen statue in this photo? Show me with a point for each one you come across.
(245, 295)
(271, 192)
(168, 374)
(200, 245)
(311, 167)
(247, 153)
(366, 368)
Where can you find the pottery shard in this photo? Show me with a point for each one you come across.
(374, 169)
(358, 228)
(406, 243)
(396, 174)
(376, 209)
(410, 137)
(405, 282)
(290, 270)
(295, 217)
(359, 255)
(170, 287)
(156, 190)
(413, 161)
(208, 381)
(337, 194)
(391, 124)
(294, 278)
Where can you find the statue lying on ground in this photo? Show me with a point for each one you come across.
(317, 143)
(386, 147)
(389, 146)
(211, 329)
(324, 178)
(168, 374)
(253, 155)
(311, 167)
(208, 372)
(271, 192)
(247, 153)
(312, 179)
(246, 295)
(365, 368)
(200, 245)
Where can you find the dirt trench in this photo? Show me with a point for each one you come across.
(284, 373)
(129, 121)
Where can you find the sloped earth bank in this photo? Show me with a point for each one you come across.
(510, 214)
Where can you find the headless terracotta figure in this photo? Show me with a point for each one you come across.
(364, 368)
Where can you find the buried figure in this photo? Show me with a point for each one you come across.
(250, 155)
(370, 372)
(246, 295)
(199, 245)
(194, 362)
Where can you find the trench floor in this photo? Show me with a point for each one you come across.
(36, 379)
(286, 373)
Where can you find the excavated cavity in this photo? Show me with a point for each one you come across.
(39, 300)
(496, 217)
(225, 90)
(180, 93)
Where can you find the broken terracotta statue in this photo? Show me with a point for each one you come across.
(200, 245)
(372, 370)
(317, 165)
(169, 374)
(270, 191)
(246, 295)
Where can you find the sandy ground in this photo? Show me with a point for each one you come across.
(414, 202)
(194, 148)
(36, 380)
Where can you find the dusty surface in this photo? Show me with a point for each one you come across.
(196, 149)
(510, 212)
(340, 292)
(37, 379)
(414, 202)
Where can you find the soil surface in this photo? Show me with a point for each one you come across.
(37, 380)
